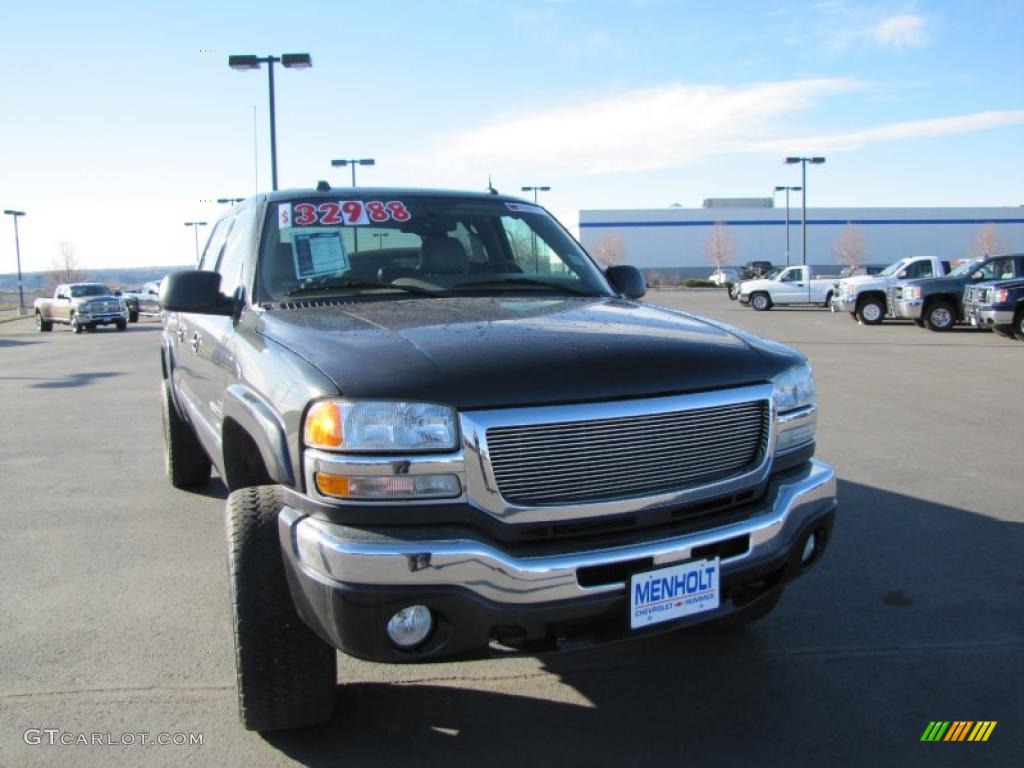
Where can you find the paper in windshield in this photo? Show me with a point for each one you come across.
(318, 253)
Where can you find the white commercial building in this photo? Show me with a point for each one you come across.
(676, 239)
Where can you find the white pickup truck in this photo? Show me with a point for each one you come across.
(792, 285)
(866, 297)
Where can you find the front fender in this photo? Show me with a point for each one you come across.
(258, 419)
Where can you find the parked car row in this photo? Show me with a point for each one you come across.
(986, 292)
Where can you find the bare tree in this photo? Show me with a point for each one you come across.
(610, 249)
(851, 246)
(987, 241)
(65, 267)
(720, 246)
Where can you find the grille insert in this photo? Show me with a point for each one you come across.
(628, 457)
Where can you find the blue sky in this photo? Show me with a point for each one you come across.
(118, 124)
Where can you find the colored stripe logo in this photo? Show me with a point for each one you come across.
(958, 730)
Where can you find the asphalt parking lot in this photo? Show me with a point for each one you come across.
(115, 620)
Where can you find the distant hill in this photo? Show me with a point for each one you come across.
(126, 277)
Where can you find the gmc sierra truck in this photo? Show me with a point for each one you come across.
(83, 306)
(446, 432)
(865, 297)
(997, 305)
(791, 286)
(938, 303)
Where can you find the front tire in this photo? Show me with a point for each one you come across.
(1018, 325)
(871, 311)
(43, 326)
(185, 462)
(133, 317)
(828, 300)
(761, 302)
(122, 325)
(76, 327)
(940, 316)
(286, 675)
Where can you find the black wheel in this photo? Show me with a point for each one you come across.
(185, 462)
(122, 325)
(1001, 332)
(734, 291)
(43, 326)
(940, 316)
(133, 317)
(285, 673)
(871, 311)
(761, 301)
(828, 300)
(748, 614)
(76, 326)
(1018, 325)
(918, 322)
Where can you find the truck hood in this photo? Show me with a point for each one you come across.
(939, 284)
(497, 351)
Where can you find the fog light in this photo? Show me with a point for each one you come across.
(410, 626)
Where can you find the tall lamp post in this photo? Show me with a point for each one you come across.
(787, 190)
(535, 190)
(231, 200)
(353, 163)
(195, 228)
(289, 61)
(803, 198)
(17, 253)
(380, 240)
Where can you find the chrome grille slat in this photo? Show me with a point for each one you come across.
(631, 456)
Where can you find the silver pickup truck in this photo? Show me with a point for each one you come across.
(83, 306)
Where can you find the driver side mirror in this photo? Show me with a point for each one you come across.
(195, 291)
(902, 275)
(627, 280)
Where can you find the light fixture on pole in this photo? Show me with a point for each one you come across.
(535, 190)
(803, 198)
(287, 60)
(231, 200)
(353, 163)
(17, 254)
(380, 240)
(787, 190)
(195, 228)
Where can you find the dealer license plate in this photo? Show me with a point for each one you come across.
(674, 592)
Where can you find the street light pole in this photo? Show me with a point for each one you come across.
(535, 190)
(803, 198)
(380, 240)
(231, 200)
(353, 163)
(17, 253)
(788, 190)
(288, 60)
(195, 228)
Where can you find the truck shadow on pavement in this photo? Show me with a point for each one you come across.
(913, 615)
(74, 380)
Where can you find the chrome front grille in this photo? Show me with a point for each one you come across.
(595, 460)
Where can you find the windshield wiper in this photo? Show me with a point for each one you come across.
(340, 284)
(520, 282)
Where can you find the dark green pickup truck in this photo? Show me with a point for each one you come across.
(446, 432)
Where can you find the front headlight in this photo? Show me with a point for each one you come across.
(381, 426)
(912, 292)
(796, 418)
(794, 388)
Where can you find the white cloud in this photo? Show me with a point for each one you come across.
(669, 127)
(639, 130)
(901, 32)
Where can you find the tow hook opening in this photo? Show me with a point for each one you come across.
(814, 545)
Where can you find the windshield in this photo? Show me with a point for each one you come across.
(893, 268)
(89, 289)
(966, 268)
(772, 273)
(419, 245)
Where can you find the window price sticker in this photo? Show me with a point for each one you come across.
(349, 213)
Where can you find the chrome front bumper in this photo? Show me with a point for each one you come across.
(844, 303)
(343, 557)
(986, 318)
